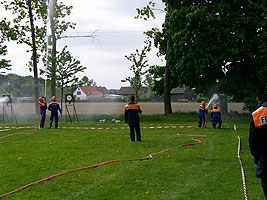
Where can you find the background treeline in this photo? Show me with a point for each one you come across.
(19, 86)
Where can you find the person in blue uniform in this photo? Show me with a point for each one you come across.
(43, 108)
(202, 115)
(131, 116)
(216, 117)
(258, 143)
(54, 108)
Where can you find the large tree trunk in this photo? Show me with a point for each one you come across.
(34, 58)
(62, 93)
(167, 92)
(167, 88)
(54, 51)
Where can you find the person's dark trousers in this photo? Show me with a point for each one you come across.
(51, 119)
(264, 186)
(135, 127)
(43, 115)
(215, 121)
(202, 120)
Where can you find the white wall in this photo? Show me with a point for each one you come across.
(79, 94)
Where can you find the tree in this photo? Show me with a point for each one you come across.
(222, 41)
(18, 86)
(148, 81)
(215, 40)
(67, 68)
(139, 62)
(162, 85)
(4, 64)
(85, 81)
(28, 15)
(5, 35)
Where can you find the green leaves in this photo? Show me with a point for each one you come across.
(213, 40)
(139, 62)
(85, 81)
(216, 40)
(67, 68)
(146, 12)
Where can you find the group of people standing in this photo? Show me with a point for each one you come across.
(215, 116)
(132, 111)
(54, 107)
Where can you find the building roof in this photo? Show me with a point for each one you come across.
(90, 90)
(178, 90)
(103, 90)
(130, 90)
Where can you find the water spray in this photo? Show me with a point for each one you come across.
(214, 98)
(4, 99)
(50, 8)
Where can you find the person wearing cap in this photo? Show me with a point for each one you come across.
(54, 108)
(259, 101)
(216, 117)
(202, 115)
(43, 108)
(131, 116)
(258, 143)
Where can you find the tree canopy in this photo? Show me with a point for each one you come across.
(85, 81)
(139, 63)
(5, 34)
(215, 46)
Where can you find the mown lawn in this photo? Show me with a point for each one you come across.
(207, 171)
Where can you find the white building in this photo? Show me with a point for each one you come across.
(87, 92)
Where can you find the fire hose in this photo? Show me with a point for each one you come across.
(6, 136)
(41, 118)
(194, 138)
(241, 165)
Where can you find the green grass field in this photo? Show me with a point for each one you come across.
(207, 171)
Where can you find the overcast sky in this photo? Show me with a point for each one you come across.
(117, 32)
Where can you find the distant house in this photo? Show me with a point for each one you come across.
(129, 91)
(182, 94)
(103, 90)
(179, 94)
(87, 92)
(96, 93)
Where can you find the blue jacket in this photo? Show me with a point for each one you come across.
(215, 114)
(54, 107)
(202, 110)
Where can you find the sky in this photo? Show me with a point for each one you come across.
(117, 34)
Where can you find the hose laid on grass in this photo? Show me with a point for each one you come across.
(241, 165)
(41, 118)
(6, 136)
(111, 161)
